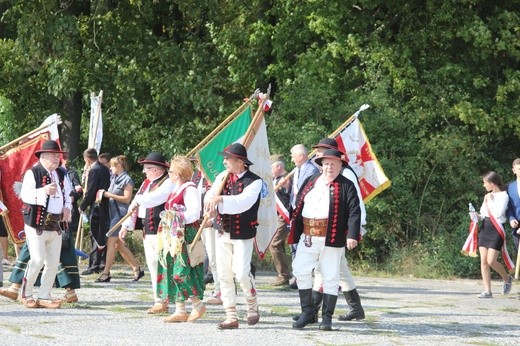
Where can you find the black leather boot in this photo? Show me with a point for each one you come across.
(317, 298)
(356, 310)
(329, 304)
(307, 315)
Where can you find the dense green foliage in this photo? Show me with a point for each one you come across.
(442, 79)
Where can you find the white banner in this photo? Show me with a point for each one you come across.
(95, 132)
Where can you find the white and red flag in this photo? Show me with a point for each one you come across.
(471, 245)
(354, 143)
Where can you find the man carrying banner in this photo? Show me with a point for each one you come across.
(346, 280)
(327, 218)
(46, 199)
(150, 199)
(237, 210)
(98, 178)
(277, 247)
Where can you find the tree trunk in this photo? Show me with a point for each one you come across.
(70, 129)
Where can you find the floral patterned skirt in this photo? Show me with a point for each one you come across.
(179, 281)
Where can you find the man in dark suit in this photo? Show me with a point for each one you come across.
(513, 209)
(98, 179)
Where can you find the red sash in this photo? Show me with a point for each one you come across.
(500, 229)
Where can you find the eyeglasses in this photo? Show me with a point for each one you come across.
(148, 168)
(171, 172)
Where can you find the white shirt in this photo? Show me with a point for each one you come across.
(497, 206)
(317, 201)
(31, 195)
(235, 204)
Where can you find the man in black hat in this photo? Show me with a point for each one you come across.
(98, 178)
(346, 279)
(149, 202)
(46, 201)
(326, 218)
(236, 210)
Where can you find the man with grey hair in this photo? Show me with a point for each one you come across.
(303, 169)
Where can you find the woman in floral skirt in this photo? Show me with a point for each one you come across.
(178, 277)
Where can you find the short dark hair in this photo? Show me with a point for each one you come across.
(105, 156)
(91, 154)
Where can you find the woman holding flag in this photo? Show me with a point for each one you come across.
(491, 239)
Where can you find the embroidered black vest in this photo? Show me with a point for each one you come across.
(344, 219)
(152, 217)
(240, 226)
(34, 215)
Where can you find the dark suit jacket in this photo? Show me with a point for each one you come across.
(513, 208)
(98, 179)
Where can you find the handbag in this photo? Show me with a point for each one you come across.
(198, 254)
(65, 239)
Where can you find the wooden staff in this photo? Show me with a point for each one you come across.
(343, 126)
(248, 138)
(128, 214)
(223, 124)
(28, 134)
(517, 269)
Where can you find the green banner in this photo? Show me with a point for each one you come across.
(211, 162)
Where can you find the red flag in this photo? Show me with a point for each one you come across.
(13, 165)
(471, 244)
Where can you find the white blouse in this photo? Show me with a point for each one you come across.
(497, 206)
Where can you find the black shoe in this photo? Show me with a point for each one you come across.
(104, 278)
(90, 271)
(208, 279)
(139, 273)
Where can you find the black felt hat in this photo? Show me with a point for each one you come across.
(155, 159)
(327, 143)
(331, 154)
(236, 150)
(49, 146)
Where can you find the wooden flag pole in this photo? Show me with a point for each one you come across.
(248, 138)
(517, 269)
(223, 123)
(21, 138)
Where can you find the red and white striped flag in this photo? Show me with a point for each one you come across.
(471, 245)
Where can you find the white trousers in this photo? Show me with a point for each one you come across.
(308, 258)
(152, 261)
(346, 280)
(209, 238)
(234, 262)
(45, 252)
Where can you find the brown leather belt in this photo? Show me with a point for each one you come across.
(315, 227)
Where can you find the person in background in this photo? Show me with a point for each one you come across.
(98, 179)
(491, 237)
(119, 196)
(513, 207)
(4, 243)
(277, 246)
(303, 169)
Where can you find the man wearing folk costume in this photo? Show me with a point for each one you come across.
(327, 218)
(68, 273)
(150, 200)
(46, 198)
(237, 209)
(346, 280)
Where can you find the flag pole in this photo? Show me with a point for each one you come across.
(248, 138)
(28, 134)
(224, 123)
(517, 270)
(343, 126)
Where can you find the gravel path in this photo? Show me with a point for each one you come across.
(400, 311)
